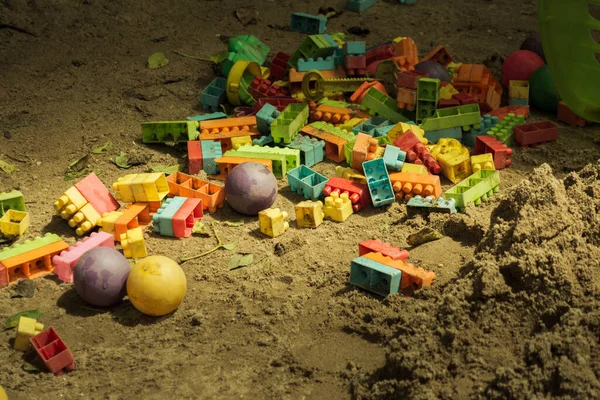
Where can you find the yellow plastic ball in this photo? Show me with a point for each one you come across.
(3, 395)
(156, 285)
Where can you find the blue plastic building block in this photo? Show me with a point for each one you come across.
(430, 204)
(306, 182)
(262, 141)
(354, 48)
(321, 64)
(379, 182)
(312, 150)
(454, 133)
(210, 150)
(265, 117)
(162, 221)
(207, 117)
(359, 5)
(214, 94)
(338, 57)
(394, 158)
(374, 277)
(309, 24)
(487, 123)
(369, 126)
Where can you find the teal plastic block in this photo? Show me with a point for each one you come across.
(321, 64)
(359, 5)
(13, 200)
(162, 221)
(312, 150)
(382, 130)
(430, 204)
(169, 131)
(207, 117)
(466, 116)
(214, 94)
(408, 2)
(263, 140)
(394, 158)
(378, 181)
(378, 103)
(307, 23)
(211, 149)
(370, 125)
(374, 277)
(245, 47)
(475, 189)
(289, 122)
(306, 182)
(338, 57)
(354, 48)
(487, 123)
(454, 133)
(265, 117)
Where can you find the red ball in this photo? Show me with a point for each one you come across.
(520, 65)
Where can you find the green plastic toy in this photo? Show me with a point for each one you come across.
(566, 30)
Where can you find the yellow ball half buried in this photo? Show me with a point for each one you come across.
(156, 285)
(3, 395)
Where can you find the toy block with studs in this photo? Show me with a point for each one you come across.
(213, 95)
(406, 185)
(482, 161)
(378, 103)
(289, 122)
(309, 214)
(365, 148)
(334, 145)
(133, 243)
(414, 169)
(306, 182)
(309, 24)
(141, 188)
(430, 204)
(393, 158)
(64, 263)
(337, 207)
(378, 182)
(237, 142)
(194, 156)
(13, 200)
(412, 278)
(273, 222)
(500, 152)
(358, 193)
(169, 131)
(416, 152)
(94, 191)
(162, 221)
(26, 329)
(14, 223)
(53, 351)
(350, 174)
(377, 246)
(184, 185)
(265, 117)
(530, 135)
(564, 114)
(474, 190)
(374, 276)
(456, 165)
(279, 66)
(312, 150)
(211, 150)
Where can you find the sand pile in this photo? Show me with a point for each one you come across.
(521, 319)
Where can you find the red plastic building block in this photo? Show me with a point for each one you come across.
(53, 351)
(358, 193)
(97, 194)
(260, 88)
(185, 218)
(382, 52)
(355, 65)
(500, 152)
(409, 79)
(536, 133)
(504, 111)
(444, 103)
(464, 98)
(386, 249)
(194, 156)
(279, 66)
(278, 102)
(569, 117)
(360, 93)
(416, 152)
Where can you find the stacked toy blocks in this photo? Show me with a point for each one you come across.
(244, 48)
(350, 174)
(355, 61)
(64, 263)
(117, 223)
(370, 126)
(211, 150)
(487, 123)
(378, 181)
(358, 193)
(169, 131)
(386, 249)
(306, 182)
(416, 152)
(482, 161)
(133, 243)
(214, 95)
(337, 207)
(11, 201)
(84, 203)
(53, 351)
(314, 46)
(500, 152)
(518, 93)
(475, 189)
(309, 214)
(478, 82)
(365, 148)
(184, 185)
(273, 222)
(279, 66)
(412, 278)
(312, 150)
(289, 122)
(466, 117)
(265, 117)
(393, 158)
(430, 204)
(321, 64)
(504, 130)
(26, 329)
(177, 216)
(530, 135)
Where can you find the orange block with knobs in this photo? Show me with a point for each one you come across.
(334, 145)
(365, 148)
(331, 114)
(32, 264)
(134, 216)
(407, 185)
(407, 55)
(440, 55)
(412, 277)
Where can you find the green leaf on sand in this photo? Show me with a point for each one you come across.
(102, 149)
(157, 60)
(200, 229)
(240, 260)
(230, 246)
(13, 321)
(29, 367)
(7, 167)
(78, 168)
(234, 223)
(122, 160)
(218, 58)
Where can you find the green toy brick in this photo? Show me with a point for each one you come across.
(314, 46)
(279, 161)
(475, 189)
(428, 95)
(378, 103)
(11, 201)
(169, 131)
(245, 47)
(348, 151)
(289, 122)
(28, 245)
(503, 131)
(466, 116)
(333, 103)
(334, 130)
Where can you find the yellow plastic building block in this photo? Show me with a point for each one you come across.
(401, 128)
(141, 188)
(447, 91)
(351, 123)
(27, 328)
(239, 141)
(107, 222)
(133, 243)
(456, 165)
(273, 222)
(337, 208)
(14, 223)
(398, 39)
(350, 174)
(309, 214)
(69, 203)
(84, 219)
(415, 169)
(446, 145)
(482, 161)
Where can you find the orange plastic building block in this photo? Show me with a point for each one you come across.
(412, 277)
(333, 115)
(408, 185)
(440, 55)
(334, 145)
(407, 55)
(134, 216)
(360, 93)
(365, 148)
(242, 126)
(569, 117)
(406, 99)
(226, 164)
(184, 185)
(32, 264)
(504, 111)
(478, 82)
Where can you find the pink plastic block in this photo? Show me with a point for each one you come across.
(64, 263)
(386, 249)
(194, 156)
(3, 277)
(94, 191)
(53, 351)
(184, 219)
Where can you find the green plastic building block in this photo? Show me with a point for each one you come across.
(279, 161)
(333, 103)
(28, 245)
(475, 189)
(348, 151)
(334, 130)
(289, 122)
(503, 131)
(11, 201)
(314, 46)
(378, 103)
(428, 95)
(291, 157)
(466, 116)
(169, 131)
(245, 47)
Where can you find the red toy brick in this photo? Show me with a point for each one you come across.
(185, 218)
(260, 88)
(386, 249)
(464, 98)
(566, 115)
(279, 66)
(500, 152)
(444, 103)
(94, 191)
(53, 351)
(409, 79)
(382, 52)
(358, 193)
(535, 133)
(416, 152)
(355, 65)
(194, 156)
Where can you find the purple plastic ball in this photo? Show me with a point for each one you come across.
(250, 188)
(100, 276)
(434, 70)
(534, 43)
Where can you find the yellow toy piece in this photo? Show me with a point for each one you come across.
(273, 222)
(239, 141)
(133, 243)
(84, 219)
(446, 145)
(351, 123)
(447, 91)
(69, 203)
(141, 188)
(337, 208)
(107, 222)
(14, 223)
(482, 161)
(234, 79)
(456, 165)
(309, 214)
(400, 128)
(414, 169)
(518, 89)
(350, 174)
(27, 328)
(3, 395)
(398, 39)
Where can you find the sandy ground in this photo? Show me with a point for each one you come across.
(514, 312)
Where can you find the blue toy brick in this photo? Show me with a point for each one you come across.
(265, 117)
(312, 150)
(338, 57)
(306, 182)
(394, 158)
(382, 130)
(321, 64)
(210, 150)
(162, 221)
(487, 123)
(354, 48)
(518, 102)
(214, 94)
(431, 204)
(263, 140)
(368, 126)
(359, 5)
(378, 181)
(454, 133)
(307, 23)
(374, 277)
(207, 117)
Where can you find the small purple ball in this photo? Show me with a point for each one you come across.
(434, 70)
(100, 276)
(250, 188)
